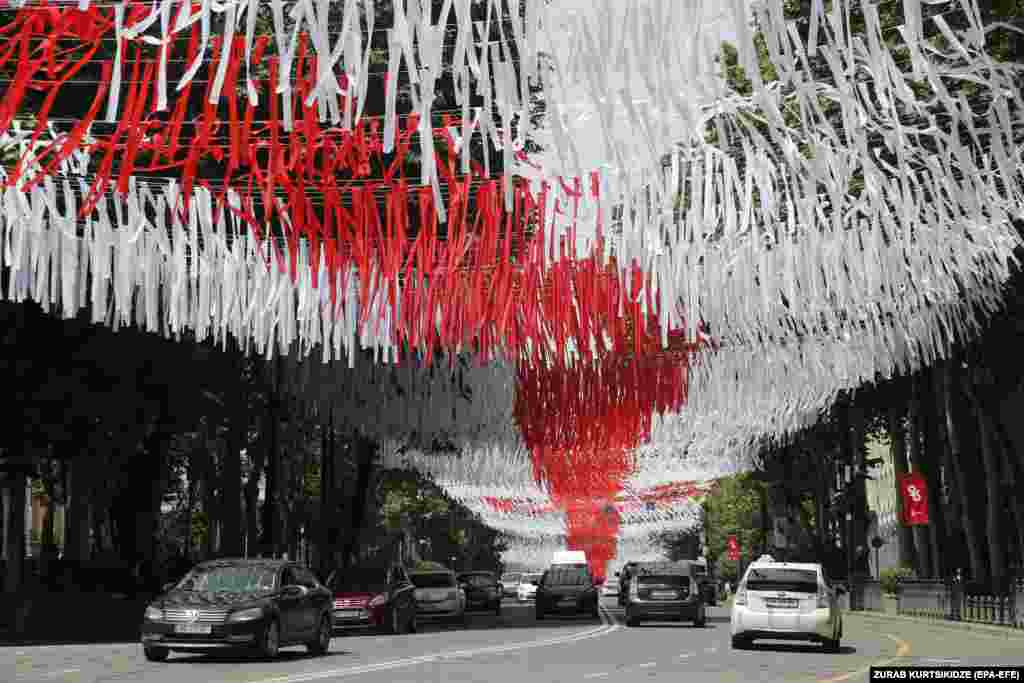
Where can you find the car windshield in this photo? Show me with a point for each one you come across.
(230, 579)
(567, 576)
(530, 578)
(362, 580)
(433, 580)
(671, 580)
(479, 580)
(782, 579)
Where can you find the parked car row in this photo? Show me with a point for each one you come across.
(264, 605)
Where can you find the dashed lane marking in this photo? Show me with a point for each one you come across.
(686, 655)
(602, 674)
(902, 650)
(646, 665)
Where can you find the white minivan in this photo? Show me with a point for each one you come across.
(786, 601)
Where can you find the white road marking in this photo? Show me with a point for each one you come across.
(939, 660)
(603, 674)
(54, 674)
(646, 665)
(686, 655)
(711, 650)
(607, 627)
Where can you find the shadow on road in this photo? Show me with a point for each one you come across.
(684, 625)
(514, 618)
(778, 646)
(243, 657)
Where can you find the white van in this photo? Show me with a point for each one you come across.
(569, 557)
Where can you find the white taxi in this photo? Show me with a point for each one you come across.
(786, 601)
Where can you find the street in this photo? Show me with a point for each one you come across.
(514, 647)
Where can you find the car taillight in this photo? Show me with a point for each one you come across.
(379, 600)
(822, 598)
(741, 596)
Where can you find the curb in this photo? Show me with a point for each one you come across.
(1004, 631)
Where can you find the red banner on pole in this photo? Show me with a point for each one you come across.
(914, 492)
(734, 549)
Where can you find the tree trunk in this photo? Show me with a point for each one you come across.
(366, 453)
(14, 536)
(325, 560)
(256, 456)
(271, 506)
(929, 468)
(959, 498)
(76, 539)
(861, 517)
(1010, 482)
(993, 509)
(905, 536)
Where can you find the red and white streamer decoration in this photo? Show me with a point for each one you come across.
(801, 256)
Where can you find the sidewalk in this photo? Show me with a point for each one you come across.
(889, 615)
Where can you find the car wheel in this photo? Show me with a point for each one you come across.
(740, 643)
(540, 614)
(156, 654)
(701, 620)
(497, 610)
(632, 621)
(270, 642)
(322, 643)
(832, 645)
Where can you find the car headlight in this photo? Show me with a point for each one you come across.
(246, 614)
(378, 600)
(154, 613)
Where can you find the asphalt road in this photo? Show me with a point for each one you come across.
(514, 648)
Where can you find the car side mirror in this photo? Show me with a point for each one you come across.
(617, 574)
(168, 586)
(293, 591)
(840, 590)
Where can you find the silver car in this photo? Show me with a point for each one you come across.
(438, 595)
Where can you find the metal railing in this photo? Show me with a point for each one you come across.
(955, 600)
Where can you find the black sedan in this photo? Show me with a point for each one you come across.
(261, 605)
(483, 591)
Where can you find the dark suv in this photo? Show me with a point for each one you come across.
(567, 588)
(664, 590)
(258, 604)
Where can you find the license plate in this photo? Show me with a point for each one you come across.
(663, 595)
(195, 629)
(348, 613)
(781, 604)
